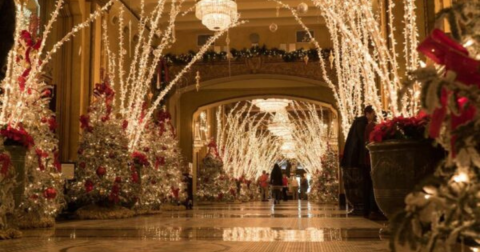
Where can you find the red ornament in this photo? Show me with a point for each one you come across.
(82, 165)
(111, 155)
(50, 193)
(101, 171)
(118, 180)
(88, 186)
(5, 160)
(135, 177)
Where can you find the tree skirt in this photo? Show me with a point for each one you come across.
(31, 221)
(147, 212)
(94, 212)
(10, 234)
(169, 207)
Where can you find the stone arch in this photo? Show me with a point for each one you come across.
(186, 101)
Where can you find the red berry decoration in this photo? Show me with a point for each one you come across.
(135, 177)
(50, 193)
(101, 171)
(88, 186)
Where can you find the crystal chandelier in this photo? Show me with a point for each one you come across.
(271, 105)
(216, 15)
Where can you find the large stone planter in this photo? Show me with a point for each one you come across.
(397, 166)
(17, 155)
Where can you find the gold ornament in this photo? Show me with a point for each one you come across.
(302, 8)
(305, 59)
(273, 27)
(331, 58)
(197, 86)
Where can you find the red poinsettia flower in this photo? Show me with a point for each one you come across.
(18, 135)
(85, 123)
(140, 158)
(400, 128)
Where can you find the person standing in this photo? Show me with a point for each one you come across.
(285, 187)
(188, 181)
(276, 180)
(294, 187)
(371, 210)
(303, 187)
(263, 183)
(353, 162)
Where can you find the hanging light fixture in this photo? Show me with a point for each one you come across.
(271, 105)
(216, 15)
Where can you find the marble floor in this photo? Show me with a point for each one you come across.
(257, 227)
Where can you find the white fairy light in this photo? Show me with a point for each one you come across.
(364, 57)
(461, 177)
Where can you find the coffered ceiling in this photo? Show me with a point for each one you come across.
(259, 13)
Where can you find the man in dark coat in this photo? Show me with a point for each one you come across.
(353, 161)
(276, 180)
(7, 31)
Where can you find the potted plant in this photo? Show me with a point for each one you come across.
(16, 142)
(401, 156)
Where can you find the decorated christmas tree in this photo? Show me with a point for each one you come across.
(106, 176)
(445, 210)
(7, 203)
(324, 187)
(213, 184)
(169, 160)
(27, 123)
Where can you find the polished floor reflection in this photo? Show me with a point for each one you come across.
(259, 226)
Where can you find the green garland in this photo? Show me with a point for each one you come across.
(212, 56)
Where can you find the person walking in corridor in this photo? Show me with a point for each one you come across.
(303, 187)
(294, 187)
(263, 183)
(285, 187)
(276, 180)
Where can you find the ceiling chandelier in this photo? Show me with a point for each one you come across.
(280, 130)
(216, 15)
(272, 105)
(280, 125)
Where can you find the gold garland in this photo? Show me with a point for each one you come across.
(32, 220)
(10, 234)
(94, 212)
(173, 208)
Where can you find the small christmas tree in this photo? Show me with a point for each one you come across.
(324, 188)
(7, 203)
(104, 176)
(169, 159)
(28, 121)
(213, 183)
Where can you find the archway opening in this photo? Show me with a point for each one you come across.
(249, 139)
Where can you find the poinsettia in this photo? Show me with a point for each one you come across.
(400, 128)
(18, 135)
(140, 158)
